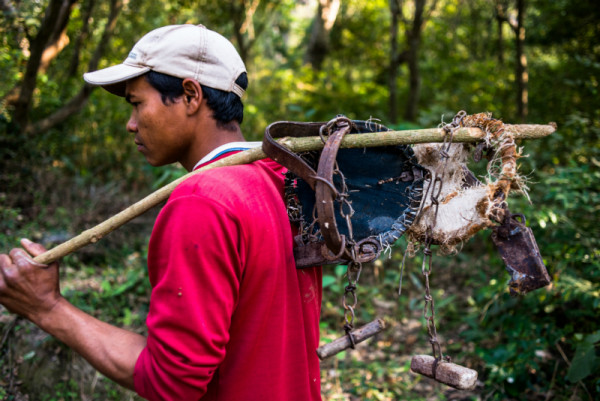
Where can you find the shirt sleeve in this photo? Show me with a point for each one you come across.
(194, 267)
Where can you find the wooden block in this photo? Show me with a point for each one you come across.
(448, 373)
(342, 343)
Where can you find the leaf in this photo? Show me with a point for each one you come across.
(105, 286)
(583, 362)
(340, 270)
(328, 280)
(592, 338)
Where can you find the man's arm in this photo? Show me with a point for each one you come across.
(32, 291)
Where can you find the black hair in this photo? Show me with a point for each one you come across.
(226, 106)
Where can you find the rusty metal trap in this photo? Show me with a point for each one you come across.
(349, 205)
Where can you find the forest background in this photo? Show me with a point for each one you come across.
(67, 163)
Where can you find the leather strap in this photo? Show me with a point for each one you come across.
(283, 155)
(311, 254)
(334, 249)
(325, 190)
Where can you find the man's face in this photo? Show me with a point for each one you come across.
(159, 129)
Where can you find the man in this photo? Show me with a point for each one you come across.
(230, 317)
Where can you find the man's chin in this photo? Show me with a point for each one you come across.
(158, 163)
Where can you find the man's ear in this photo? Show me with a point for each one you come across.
(192, 95)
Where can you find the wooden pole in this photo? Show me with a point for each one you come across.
(96, 233)
(296, 145)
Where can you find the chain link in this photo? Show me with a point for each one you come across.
(353, 273)
(350, 298)
(435, 190)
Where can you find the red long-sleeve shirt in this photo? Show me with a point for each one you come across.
(230, 317)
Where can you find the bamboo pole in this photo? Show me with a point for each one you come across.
(296, 145)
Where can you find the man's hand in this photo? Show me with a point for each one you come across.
(28, 288)
(32, 290)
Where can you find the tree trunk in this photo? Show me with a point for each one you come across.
(52, 51)
(53, 21)
(250, 18)
(500, 18)
(318, 46)
(76, 103)
(394, 62)
(410, 55)
(414, 42)
(54, 44)
(240, 17)
(81, 38)
(522, 75)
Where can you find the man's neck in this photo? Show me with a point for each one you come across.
(208, 138)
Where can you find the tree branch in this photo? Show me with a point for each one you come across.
(401, 57)
(428, 12)
(52, 50)
(83, 35)
(54, 44)
(501, 15)
(248, 25)
(73, 106)
(38, 45)
(115, 9)
(323, 21)
(401, 17)
(270, 13)
(76, 103)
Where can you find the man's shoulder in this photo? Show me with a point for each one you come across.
(233, 182)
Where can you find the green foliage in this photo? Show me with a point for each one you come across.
(116, 294)
(63, 392)
(585, 361)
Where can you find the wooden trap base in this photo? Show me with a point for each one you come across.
(448, 373)
(343, 343)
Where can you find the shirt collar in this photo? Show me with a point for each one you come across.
(226, 148)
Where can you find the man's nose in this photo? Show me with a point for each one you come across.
(132, 124)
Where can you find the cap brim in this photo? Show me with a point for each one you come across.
(113, 78)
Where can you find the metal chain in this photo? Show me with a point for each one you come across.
(294, 209)
(343, 196)
(350, 298)
(353, 272)
(435, 190)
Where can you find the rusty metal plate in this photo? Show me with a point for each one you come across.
(521, 255)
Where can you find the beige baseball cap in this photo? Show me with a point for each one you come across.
(182, 51)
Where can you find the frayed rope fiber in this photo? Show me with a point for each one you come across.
(465, 210)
